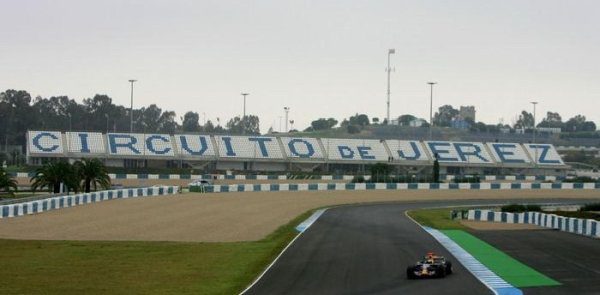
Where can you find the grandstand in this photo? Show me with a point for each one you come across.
(269, 153)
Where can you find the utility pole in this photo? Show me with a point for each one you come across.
(431, 108)
(131, 109)
(287, 110)
(388, 70)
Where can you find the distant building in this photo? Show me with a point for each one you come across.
(460, 124)
(417, 123)
(549, 130)
(467, 112)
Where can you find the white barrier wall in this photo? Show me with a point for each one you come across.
(53, 203)
(587, 227)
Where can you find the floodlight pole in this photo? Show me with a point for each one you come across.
(388, 70)
(535, 162)
(131, 109)
(431, 108)
(287, 110)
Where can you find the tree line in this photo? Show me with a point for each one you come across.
(20, 112)
(447, 114)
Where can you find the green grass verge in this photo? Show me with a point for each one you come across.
(73, 267)
(506, 267)
(436, 218)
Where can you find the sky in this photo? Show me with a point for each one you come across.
(319, 58)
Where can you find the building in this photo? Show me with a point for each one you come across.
(467, 113)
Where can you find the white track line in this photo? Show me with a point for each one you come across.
(307, 223)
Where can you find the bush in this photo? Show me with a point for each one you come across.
(517, 208)
(580, 179)
(468, 179)
(358, 179)
(590, 207)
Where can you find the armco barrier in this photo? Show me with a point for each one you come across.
(53, 203)
(586, 227)
(388, 186)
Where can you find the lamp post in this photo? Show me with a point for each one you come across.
(388, 70)
(431, 108)
(279, 124)
(287, 110)
(535, 162)
(131, 109)
(244, 95)
(106, 115)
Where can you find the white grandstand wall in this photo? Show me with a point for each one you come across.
(276, 154)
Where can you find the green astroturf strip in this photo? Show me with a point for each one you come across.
(506, 267)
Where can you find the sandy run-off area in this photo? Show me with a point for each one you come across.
(220, 217)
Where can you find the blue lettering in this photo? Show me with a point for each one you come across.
(228, 148)
(185, 146)
(150, 144)
(261, 144)
(36, 142)
(435, 150)
(542, 157)
(309, 148)
(416, 152)
(83, 139)
(346, 152)
(112, 142)
(363, 151)
(461, 153)
(503, 154)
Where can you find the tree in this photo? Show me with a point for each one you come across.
(323, 124)
(352, 129)
(445, 115)
(405, 120)
(579, 123)
(190, 122)
(525, 120)
(52, 175)
(436, 170)
(552, 120)
(247, 125)
(359, 120)
(92, 173)
(380, 171)
(7, 183)
(375, 120)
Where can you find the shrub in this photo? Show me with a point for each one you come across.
(516, 208)
(358, 179)
(590, 207)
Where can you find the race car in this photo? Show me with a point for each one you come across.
(432, 266)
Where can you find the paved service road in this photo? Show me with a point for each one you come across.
(365, 249)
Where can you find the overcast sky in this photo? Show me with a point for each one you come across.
(320, 58)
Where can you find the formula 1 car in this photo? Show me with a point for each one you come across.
(432, 266)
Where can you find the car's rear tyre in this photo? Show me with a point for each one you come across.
(441, 272)
(448, 267)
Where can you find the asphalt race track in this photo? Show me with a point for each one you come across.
(568, 258)
(365, 249)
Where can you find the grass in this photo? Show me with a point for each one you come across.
(436, 218)
(503, 265)
(508, 268)
(74, 267)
